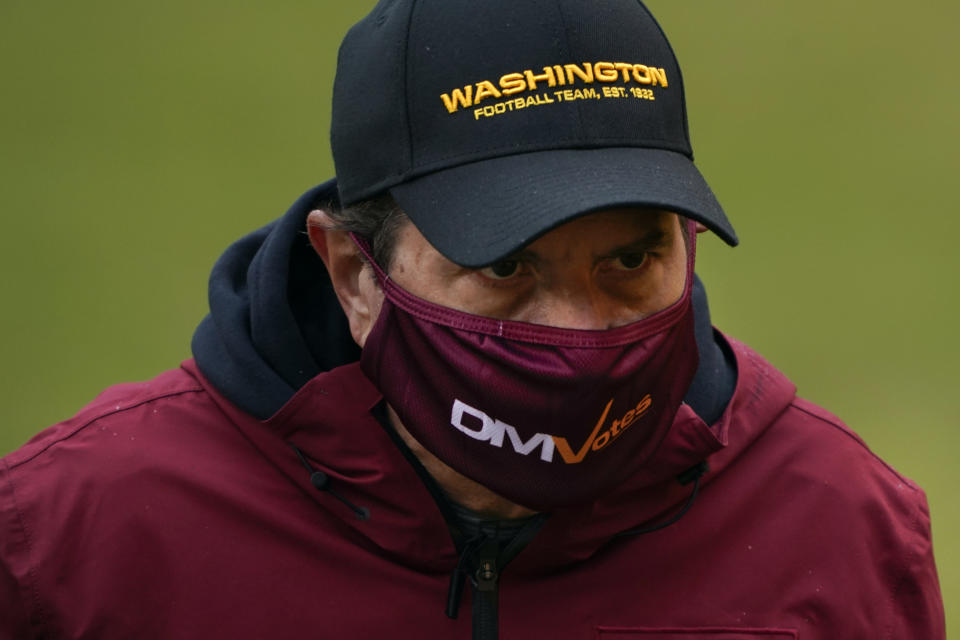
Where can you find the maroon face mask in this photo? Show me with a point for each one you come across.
(542, 416)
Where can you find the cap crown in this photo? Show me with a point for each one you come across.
(424, 85)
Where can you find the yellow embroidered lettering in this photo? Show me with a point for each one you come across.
(559, 71)
(605, 72)
(585, 73)
(643, 94)
(486, 89)
(625, 69)
(546, 76)
(659, 75)
(641, 73)
(460, 98)
(513, 83)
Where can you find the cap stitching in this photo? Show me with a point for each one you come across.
(566, 32)
(676, 62)
(406, 84)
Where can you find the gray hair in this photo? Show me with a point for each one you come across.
(377, 220)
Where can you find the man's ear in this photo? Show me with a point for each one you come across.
(350, 274)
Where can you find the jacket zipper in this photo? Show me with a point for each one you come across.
(485, 581)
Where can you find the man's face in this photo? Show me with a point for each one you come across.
(601, 271)
(597, 272)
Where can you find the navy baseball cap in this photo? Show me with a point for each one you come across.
(493, 122)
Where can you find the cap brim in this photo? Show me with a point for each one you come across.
(481, 212)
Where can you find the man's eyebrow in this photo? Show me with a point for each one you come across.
(653, 239)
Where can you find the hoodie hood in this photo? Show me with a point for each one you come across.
(275, 322)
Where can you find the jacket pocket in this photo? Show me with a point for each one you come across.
(694, 633)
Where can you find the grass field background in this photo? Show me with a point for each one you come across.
(139, 139)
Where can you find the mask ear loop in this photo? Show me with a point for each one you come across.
(691, 244)
(364, 245)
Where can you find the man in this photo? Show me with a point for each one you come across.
(471, 387)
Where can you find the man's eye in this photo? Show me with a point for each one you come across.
(502, 270)
(630, 261)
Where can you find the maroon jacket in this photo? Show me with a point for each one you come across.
(178, 508)
(163, 511)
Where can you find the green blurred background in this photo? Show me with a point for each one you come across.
(139, 139)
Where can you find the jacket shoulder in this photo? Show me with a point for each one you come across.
(868, 514)
(832, 448)
(837, 510)
(115, 402)
(87, 474)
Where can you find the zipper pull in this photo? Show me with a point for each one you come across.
(485, 581)
(487, 575)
